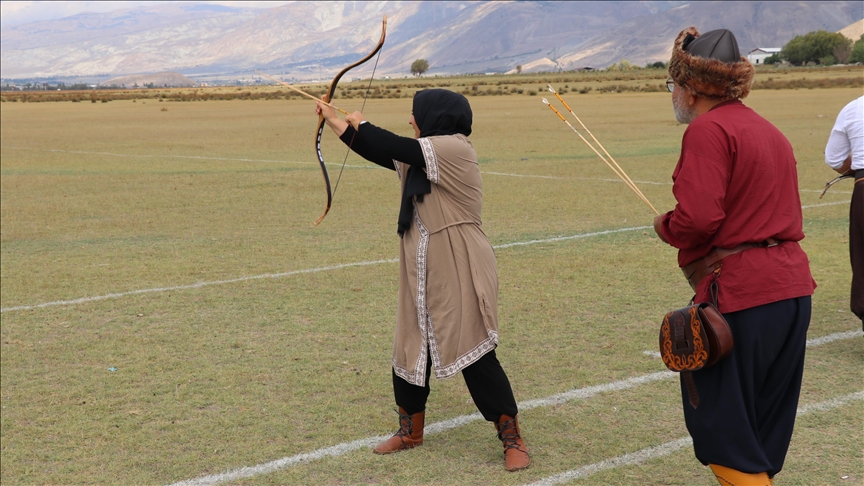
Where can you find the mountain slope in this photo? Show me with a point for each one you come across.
(314, 39)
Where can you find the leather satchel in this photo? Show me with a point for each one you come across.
(693, 338)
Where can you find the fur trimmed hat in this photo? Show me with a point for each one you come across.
(710, 64)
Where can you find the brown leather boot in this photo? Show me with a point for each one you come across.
(409, 435)
(515, 451)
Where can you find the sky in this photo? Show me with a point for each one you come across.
(15, 13)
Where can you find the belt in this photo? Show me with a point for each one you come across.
(695, 271)
(859, 175)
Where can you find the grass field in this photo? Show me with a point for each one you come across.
(169, 312)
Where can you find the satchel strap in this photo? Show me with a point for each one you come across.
(697, 270)
(690, 385)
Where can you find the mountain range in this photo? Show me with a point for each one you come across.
(309, 40)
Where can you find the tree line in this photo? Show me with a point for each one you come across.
(820, 47)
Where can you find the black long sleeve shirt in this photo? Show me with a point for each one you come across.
(382, 147)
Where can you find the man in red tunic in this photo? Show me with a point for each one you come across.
(737, 225)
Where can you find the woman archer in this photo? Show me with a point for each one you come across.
(447, 312)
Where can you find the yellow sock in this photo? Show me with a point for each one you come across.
(730, 477)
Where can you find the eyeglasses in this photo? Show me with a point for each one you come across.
(670, 85)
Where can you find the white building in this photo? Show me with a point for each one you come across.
(758, 55)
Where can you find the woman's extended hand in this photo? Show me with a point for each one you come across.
(355, 119)
(326, 111)
(337, 124)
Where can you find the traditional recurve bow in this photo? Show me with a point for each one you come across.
(846, 175)
(331, 92)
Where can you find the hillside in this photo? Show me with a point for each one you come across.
(853, 31)
(313, 40)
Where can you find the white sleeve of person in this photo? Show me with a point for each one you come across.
(847, 137)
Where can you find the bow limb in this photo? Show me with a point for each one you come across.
(331, 92)
(846, 175)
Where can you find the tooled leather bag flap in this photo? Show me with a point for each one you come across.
(694, 337)
(683, 342)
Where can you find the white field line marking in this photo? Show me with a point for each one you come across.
(673, 446)
(572, 237)
(833, 403)
(832, 337)
(439, 427)
(112, 154)
(288, 274)
(820, 191)
(171, 156)
(616, 462)
(810, 342)
(197, 285)
(284, 463)
(532, 176)
(434, 428)
(313, 270)
(824, 204)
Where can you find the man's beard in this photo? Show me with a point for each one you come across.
(685, 114)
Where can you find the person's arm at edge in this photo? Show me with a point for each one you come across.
(838, 150)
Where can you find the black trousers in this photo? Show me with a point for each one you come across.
(748, 401)
(487, 383)
(856, 245)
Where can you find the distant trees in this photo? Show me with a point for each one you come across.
(842, 51)
(817, 47)
(857, 52)
(772, 59)
(518, 69)
(419, 67)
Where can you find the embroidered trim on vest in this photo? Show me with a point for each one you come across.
(403, 373)
(470, 357)
(417, 376)
(398, 166)
(431, 160)
(422, 311)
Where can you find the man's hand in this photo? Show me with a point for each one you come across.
(658, 227)
(846, 167)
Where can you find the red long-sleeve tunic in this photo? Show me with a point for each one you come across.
(736, 182)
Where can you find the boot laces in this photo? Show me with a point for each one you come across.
(406, 425)
(508, 434)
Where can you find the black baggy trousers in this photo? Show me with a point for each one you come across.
(748, 401)
(487, 383)
(856, 245)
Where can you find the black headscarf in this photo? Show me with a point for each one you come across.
(441, 112)
(436, 112)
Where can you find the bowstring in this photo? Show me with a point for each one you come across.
(347, 152)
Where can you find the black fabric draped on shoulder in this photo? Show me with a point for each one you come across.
(436, 112)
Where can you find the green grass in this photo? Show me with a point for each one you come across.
(224, 376)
